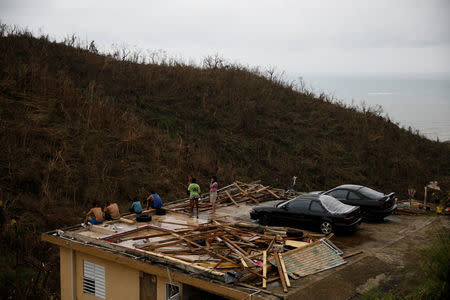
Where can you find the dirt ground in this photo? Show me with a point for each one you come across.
(391, 254)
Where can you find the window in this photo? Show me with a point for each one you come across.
(371, 194)
(338, 194)
(94, 279)
(299, 205)
(353, 196)
(172, 292)
(316, 207)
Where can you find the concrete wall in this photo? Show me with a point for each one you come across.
(121, 282)
(65, 256)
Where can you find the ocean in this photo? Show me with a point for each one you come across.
(417, 102)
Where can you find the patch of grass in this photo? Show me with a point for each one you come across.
(435, 269)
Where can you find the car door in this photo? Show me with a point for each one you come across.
(354, 198)
(340, 194)
(297, 212)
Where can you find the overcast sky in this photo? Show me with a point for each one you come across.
(300, 37)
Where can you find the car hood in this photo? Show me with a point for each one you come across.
(269, 204)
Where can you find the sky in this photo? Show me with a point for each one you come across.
(402, 37)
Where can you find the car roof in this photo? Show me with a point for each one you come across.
(308, 197)
(353, 187)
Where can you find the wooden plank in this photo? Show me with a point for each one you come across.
(273, 194)
(352, 253)
(231, 198)
(127, 221)
(283, 267)
(296, 244)
(223, 265)
(270, 245)
(240, 254)
(264, 282)
(221, 260)
(236, 246)
(262, 189)
(243, 262)
(181, 224)
(280, 272)
(246, 194)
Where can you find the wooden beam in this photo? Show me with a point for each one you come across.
(273, 194)
(221, 260)
(127, 221)
(283, 267)
(352, 254)
(231, 198)
(236, 246)
(246, 194)
(270, 245)
(262, 189)
(240, 254)
(264, 282)
(280, 272)
(175, 223)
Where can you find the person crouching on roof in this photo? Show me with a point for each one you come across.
(95, 215)
(194, 195)
(213, 187)
(136, 206)
(154, 201)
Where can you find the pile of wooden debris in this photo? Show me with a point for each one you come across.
(244, 253)
(233, 194)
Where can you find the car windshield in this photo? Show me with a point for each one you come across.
(282, 203)
(371, 194)
(334, 206)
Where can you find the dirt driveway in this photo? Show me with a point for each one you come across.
(391, 249)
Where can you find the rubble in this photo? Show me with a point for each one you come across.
(221, 248)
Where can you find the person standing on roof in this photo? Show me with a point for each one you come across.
(213, 187)
(194, 195)
(95, 215)
(154, 201)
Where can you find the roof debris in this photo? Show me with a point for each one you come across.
(219, 248)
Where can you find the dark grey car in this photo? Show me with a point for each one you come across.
(374, 205)
(315, 211)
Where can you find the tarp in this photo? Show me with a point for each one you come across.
(334, 206)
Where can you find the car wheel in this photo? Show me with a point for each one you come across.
(265, 219)
(326, 227)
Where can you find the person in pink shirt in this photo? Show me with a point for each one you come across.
(213, 187)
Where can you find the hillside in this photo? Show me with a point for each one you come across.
(77, 126)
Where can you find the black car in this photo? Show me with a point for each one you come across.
(317, 211)
(374, 205)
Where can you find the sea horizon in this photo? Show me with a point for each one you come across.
(420, 101)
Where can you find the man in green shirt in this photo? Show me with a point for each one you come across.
(194, 195)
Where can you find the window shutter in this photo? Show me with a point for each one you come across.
(94, 279)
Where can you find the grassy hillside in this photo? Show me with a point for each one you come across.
(77, 126)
